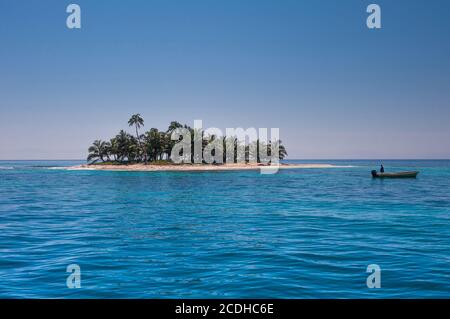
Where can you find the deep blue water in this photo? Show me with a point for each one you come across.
(308, 233)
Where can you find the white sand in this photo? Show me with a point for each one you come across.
(194, 167)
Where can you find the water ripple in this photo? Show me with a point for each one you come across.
(298, 234)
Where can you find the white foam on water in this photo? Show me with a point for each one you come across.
(80, 168)
(342, 166)
(6, 167)
(71, 168)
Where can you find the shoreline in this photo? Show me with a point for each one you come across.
(193, 167)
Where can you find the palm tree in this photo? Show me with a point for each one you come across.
(169, 144)
(282, 153)
(137, 121)
(252, 151)
(156, 145)
(282, 150)
(113, 149)
(166, 145)
(172, 126)
(133, 150)
(122, 145)
(98, 151)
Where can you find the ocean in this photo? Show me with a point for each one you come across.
(301, 233)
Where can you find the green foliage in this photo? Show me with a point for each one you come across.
(156, 146)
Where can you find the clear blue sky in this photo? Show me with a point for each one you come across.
(312, 68)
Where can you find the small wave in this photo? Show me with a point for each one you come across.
(6, 167)
(343, 166)
(70, 168)
(80, 168)
(41, 166)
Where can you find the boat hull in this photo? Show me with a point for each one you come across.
(395, 175)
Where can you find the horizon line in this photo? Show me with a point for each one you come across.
(291, 159)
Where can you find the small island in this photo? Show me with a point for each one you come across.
(168, 167)
(153, 151)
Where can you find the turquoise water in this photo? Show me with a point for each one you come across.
(308, 233)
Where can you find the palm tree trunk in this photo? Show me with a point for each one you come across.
(140, 145)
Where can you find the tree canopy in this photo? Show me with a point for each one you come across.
(155, 145)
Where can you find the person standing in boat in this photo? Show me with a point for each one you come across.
(382, 169)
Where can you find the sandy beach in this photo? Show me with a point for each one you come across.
(193, 167)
